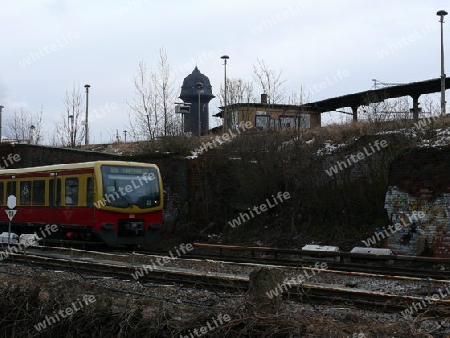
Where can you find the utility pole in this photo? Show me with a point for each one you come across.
(1, 110)
(86, 135)
(442, 14)
(225, 116)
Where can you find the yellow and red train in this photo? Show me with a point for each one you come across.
(114, 202)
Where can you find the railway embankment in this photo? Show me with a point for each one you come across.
(337, 177)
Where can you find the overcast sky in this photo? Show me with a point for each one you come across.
(48, 45)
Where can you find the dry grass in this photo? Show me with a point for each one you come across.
(118, 315)
(336, 133)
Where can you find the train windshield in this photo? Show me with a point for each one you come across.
(124, 186)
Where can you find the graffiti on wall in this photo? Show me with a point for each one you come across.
(429, 235)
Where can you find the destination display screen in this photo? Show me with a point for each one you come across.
(125, 186)
(126, 170)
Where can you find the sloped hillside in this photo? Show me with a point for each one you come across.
(336, 177)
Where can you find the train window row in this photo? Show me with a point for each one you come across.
(68, 191)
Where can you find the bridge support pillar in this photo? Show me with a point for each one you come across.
(355, 113)
(415, 109)
(315, 120)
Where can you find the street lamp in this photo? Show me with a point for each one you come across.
(225, 116)
(199, 87)
(442, 14)
(1, 109)
(86, 135)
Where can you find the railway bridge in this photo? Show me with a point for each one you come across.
(354, 101)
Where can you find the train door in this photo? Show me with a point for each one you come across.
(90, 199)
(55, 199)
(79, 202)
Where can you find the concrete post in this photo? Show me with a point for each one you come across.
(264, 282)
(355, 113)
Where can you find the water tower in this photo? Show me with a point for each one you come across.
(197, 91)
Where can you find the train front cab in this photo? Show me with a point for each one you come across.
(128, 203)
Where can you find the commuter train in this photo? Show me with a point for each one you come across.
(113, 202)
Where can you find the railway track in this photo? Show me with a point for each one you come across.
(123, 266)
(394, 265)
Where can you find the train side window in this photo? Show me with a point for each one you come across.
(25, 192)
(52, 201)
(89, 192)
(71, 191)
(38, 193)
(11, 188)
(2, 193)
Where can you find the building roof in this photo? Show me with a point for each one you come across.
(189, 84)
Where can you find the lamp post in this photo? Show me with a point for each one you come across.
(225, 116)
(442, 14)
(86, 135)
(1, 110)
(199, 87)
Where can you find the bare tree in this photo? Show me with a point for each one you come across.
(389, 109)
(298, 98)
(269, 81)
(152, 111)
(25, 127)
(144, 119)
(238, 91)
(165, 95)
(70, 128)
(430, 107)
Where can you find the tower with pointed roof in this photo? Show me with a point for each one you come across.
(191, 94)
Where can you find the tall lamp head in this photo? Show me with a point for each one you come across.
(441, 13)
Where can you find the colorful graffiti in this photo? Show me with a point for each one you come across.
(427, 236)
